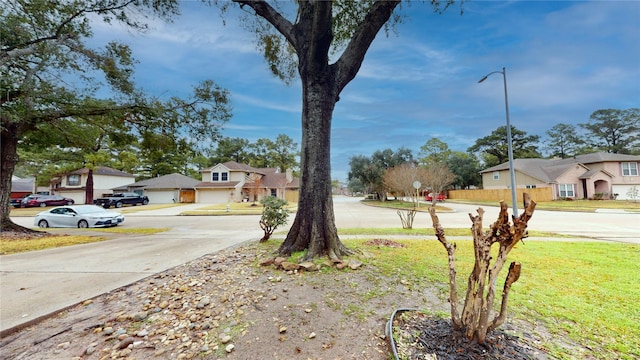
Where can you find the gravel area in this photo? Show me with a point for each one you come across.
(235, 304)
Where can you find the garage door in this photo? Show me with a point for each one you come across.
(161, 197)
(213, 196)
(626, 192)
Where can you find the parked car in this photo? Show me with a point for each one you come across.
(120, 199)
(45, 200)
(81, 216)
(439, 197)
(16, 202)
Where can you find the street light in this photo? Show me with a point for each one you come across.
(509, 142)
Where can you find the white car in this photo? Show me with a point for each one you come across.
(82, 216)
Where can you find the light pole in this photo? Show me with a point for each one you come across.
(509, 142)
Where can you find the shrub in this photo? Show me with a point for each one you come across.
(274, 214)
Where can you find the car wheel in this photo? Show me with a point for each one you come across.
(145, 202)
(106, 206)
(83, 224)
(119, 204)
(70, 202)
(43, 224)
(42, 204)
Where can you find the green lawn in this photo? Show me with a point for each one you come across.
(584, 291)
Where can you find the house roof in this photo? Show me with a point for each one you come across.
(171, 181)
(547, 170)
(275, 180)
(22, 185)
(217, 185)
(103, 170)
(235, 166)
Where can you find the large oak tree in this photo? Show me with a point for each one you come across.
(48, 75)
(311, 34)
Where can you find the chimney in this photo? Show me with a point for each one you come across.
(289, 176)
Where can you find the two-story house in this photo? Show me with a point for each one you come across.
(234, 182)
(589, 176)
(74, 184)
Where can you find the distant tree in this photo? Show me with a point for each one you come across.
(254, 181)
(355, 186)
(363, 173)
(614, 131)
(434, 151)
(326, 42)
(563, 141)
(466, 168)
(284, 153)
(439, 177)
(400, 179)
(370, 170)
(230, 149)
(280, 154)
(494, 147)
(259, 153)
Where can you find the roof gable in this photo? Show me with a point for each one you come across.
(171, 181)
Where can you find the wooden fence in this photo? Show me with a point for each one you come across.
(537, 194)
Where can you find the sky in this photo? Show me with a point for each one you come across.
(563, 61)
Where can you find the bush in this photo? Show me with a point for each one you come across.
(274, 214)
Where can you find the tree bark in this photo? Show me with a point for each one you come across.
(8, 160)
(314, 225)
(311, 37)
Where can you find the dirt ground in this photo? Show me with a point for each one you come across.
(229, 305)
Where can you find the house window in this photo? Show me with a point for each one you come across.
(531, 186)
(566, 190)
(496, 175)
(629, 169)
(73, 180)
(214, 177)
(225, 176)
(274, 192)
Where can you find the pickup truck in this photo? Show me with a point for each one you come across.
(120, 199)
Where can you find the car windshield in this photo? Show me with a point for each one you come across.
(89, 209)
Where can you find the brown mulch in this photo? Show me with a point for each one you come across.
(421, 336)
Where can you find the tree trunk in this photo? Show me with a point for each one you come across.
(314, 226)
(480, 297)
(8, 161)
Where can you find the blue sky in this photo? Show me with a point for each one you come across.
(564, 60)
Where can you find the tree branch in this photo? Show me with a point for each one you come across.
(349, 63)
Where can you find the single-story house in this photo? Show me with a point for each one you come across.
(74, 184)
(590, 176)
(235, 182)
(165, 189)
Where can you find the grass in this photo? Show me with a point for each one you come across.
(586, 291)
(19, 245)
(403, 205)
(235, 208)
(569, 205)
(430, 232)
(13, 246)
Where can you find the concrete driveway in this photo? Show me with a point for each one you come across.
(38, 283)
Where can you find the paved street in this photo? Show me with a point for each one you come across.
(37, 283)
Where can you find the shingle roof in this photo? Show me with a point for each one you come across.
(103, 170)
(219, 185)
(171, 181)
(22, 185)
(547, 170)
